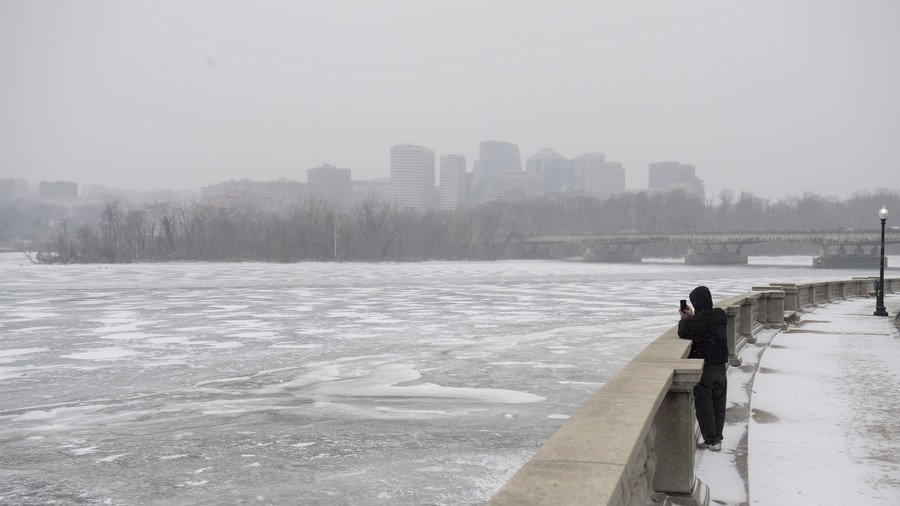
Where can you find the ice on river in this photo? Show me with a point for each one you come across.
(426, 383)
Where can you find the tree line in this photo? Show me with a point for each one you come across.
(369, 231)
(316, 230)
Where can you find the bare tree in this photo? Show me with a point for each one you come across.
(111, 217)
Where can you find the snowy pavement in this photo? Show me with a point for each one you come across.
(813, 412)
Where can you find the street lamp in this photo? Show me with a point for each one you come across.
(879, 290)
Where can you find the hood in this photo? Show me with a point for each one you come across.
(701, 299)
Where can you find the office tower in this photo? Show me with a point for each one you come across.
(15, 188)
(671, 176)
(515, 185)
(378, 190)
(6, 190)
(553, 169)
(597, 177)
(454, 181)
(412, 176)
(494, 157)
(58, 191)
(328, 181)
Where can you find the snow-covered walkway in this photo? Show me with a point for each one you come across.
(813, 413)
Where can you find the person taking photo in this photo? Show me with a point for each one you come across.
(704, 325)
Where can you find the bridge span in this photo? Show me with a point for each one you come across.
(838, 249)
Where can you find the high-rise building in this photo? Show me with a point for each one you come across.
(512, 185)
(494, 157)
(597, 177)
(328, 181)
(378, 190)
(454, 182)
(6, 190)
(58, 191)
(553, 169)
(20, 189)
(412, 176)
(670, 176)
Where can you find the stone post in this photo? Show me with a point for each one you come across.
(676, 443)
(775, 310)
(791, 297)
(771, 305)
(733, 332)
(748, 320)
(762, 307)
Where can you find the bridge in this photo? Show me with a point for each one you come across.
(838, 249)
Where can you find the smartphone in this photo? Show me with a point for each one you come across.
(683, 305)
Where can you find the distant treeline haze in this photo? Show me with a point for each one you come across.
(322, 230)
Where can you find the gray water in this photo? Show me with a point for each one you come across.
(313, 383)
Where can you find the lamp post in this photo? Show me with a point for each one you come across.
(879, 292)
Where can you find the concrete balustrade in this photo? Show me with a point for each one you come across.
(811, 294)
(865, 285)
(835, 291)
(802, 297)
(820, 291)
(633, 442)
(627, 444)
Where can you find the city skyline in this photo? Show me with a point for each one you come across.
(144, 95)
(605, 178)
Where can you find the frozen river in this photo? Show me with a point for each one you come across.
(314, 383)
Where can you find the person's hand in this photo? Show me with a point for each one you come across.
(686, 312)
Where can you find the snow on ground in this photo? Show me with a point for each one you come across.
(812, 413)
(351, 383)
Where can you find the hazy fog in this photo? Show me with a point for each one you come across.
(774, 97)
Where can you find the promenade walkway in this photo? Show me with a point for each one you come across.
(813, 413)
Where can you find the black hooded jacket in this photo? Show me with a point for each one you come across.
(706, 328)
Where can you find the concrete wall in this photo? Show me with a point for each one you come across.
(633, 442)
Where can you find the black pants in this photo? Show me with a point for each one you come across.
(709, 402)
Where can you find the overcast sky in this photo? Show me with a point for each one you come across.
(776, 97)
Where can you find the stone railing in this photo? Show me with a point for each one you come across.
(633, 442)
